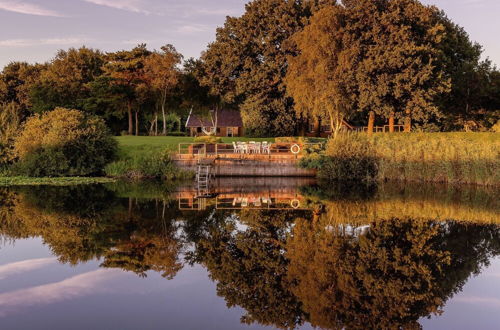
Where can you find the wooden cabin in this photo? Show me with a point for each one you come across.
(229, 123)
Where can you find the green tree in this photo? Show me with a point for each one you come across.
(126, 68)
(16, 81)
(247, 63)
(64, 82)
(398, 73)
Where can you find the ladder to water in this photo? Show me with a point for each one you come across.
(204, 175)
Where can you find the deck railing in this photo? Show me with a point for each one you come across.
(278, 148)
(381, 129)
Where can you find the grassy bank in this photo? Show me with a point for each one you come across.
(26, 181)
(455, 158)
(149, 157)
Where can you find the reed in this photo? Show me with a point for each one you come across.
(454, 158)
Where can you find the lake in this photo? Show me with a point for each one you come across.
(249, 254)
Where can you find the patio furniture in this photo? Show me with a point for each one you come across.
(256, 147)
(266, 148)
(237, 148)
(243, 147)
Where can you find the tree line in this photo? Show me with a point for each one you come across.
(285, 64)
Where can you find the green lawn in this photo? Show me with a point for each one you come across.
(135, 145)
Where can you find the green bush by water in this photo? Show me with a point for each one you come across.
(145, 165)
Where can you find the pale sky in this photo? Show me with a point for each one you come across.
(33, 30)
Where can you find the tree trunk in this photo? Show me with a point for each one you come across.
(156, 124)
(137, 123)
(130, 119)
(371, 122)
(391, 123)
(317, 127)
(164, 132)
(408, 122)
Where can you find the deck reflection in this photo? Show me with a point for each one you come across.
(245, 193)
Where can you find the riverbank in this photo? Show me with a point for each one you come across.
(452, 158)
(67, 181)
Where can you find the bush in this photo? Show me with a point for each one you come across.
(64, 143)
(177, 134)
(145, 166)
(208, 139)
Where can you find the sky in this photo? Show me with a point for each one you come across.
(33, 30)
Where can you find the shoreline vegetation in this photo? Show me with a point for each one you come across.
(451, 158)
(46, 181)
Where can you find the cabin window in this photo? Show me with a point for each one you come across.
(230, 132)
(198, 129)
(218, 129)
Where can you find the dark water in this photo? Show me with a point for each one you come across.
(253, 254)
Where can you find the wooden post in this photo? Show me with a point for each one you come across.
(371, 122)
(391, 123)
(408, 122)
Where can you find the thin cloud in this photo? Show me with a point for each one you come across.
(194, 28)
(71, 288)
(19, 43)
(22, 7)
(484, 301)
(128, 5)
(24, 266)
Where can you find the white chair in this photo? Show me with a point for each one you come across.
(266, 148)
(243, 147)
(256, 147)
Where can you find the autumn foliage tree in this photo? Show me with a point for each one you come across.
(321, 78)
(247, 63)
(162, 75)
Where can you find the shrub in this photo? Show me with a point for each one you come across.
(145, 166)
(208, 139)
(177, 134)
(64, 143)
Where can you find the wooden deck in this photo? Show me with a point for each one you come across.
(279, 162)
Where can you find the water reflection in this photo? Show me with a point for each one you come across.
(289, 252)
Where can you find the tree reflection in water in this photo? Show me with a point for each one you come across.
(348, 262)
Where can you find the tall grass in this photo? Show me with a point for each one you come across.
(456, 158)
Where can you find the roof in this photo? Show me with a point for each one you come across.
(226, 118)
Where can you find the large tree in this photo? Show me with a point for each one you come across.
(162, 75)
(126, 70)
(16, 81)
(64, 82)
(384, 54)
(248, 61)
(321, 77)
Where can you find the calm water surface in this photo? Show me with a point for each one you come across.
(251, 254)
